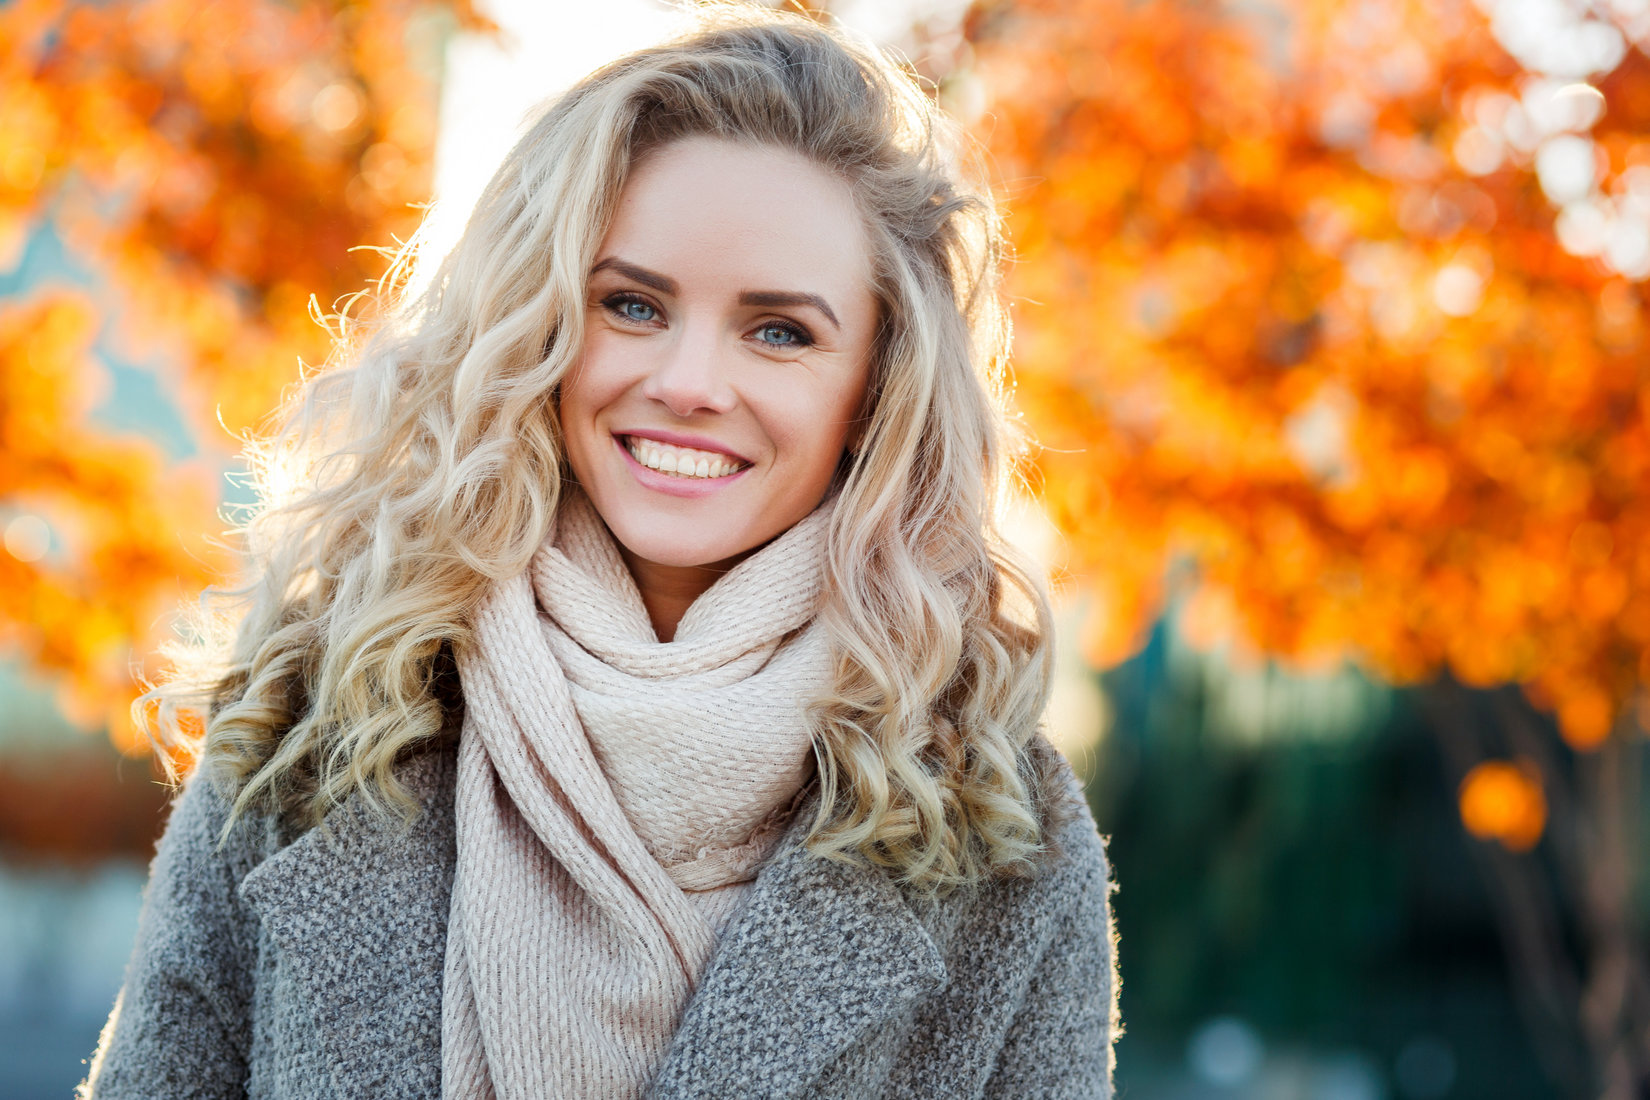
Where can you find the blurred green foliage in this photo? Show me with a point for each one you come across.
(1311, 880)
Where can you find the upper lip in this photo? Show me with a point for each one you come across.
(697, 442)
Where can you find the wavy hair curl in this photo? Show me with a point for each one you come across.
(426, 464)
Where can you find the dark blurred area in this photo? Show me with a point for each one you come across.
(78, 823)
(1300, 913)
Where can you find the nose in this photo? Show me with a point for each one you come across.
(689, 376)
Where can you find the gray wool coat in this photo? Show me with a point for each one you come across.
(314, 969)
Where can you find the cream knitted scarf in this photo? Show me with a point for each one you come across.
(615, 798)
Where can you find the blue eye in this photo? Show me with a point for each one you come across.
(779, 335)
(635, 310)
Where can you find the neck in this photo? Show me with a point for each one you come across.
(669, 590)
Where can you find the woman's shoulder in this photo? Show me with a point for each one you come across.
(204, 825)
(200, 826)
(1034, 952)
(1074, 851)
(1040, 955)
(1069, 881)
(1068, 822)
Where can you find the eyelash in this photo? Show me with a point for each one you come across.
(800, 337)
(615, 303)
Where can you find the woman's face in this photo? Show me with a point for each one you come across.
(728, 336)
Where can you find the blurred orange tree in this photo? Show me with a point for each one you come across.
(1343, 303)
(215, 163)
(1331, 320)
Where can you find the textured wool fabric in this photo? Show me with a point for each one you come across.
(312, 970)
(616, 796)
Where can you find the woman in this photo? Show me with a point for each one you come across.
(634, 697)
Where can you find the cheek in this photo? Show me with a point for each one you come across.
(594, 382)
(817, 428)
(570, 409)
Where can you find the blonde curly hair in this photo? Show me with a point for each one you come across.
(425, 464)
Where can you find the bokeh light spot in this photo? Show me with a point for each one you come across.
(1478, 151)
(28, 538)
(1457, 289)
(1565, 167)
(1502, 800)
(1584, 228)
(1225, 1051)
(336, 108)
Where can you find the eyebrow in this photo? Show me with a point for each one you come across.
(664, 284)
(788, 298)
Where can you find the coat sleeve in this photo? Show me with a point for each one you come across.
(1059, 1045)
(181, 1026)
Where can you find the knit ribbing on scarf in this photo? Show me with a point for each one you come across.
(616, 796)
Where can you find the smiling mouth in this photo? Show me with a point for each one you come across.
(684, 462)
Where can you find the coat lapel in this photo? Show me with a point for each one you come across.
(359, 911)
(821, 953)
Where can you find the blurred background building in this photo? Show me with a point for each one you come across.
(1331, 328)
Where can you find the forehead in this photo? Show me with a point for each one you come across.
(758, 214)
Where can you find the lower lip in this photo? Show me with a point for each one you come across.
(673, 484)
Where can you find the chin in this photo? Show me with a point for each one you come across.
(658, 547)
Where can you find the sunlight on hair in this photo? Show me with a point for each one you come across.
(1078, 714)
(493, 85)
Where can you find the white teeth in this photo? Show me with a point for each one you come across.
(679, 461)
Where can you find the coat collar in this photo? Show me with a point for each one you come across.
(358, 909)
(821, 953)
